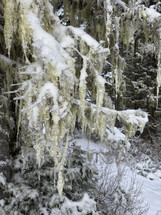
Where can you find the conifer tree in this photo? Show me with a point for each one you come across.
(56, 68)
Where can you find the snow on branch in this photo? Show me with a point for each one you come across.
(150, 14)
(47, 48)
(47, 90)
(54, 87)
(133, 120)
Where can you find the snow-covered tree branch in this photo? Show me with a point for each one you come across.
(62, 75)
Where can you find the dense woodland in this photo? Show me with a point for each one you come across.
(70, 68)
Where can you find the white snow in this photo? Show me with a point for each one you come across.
(116, 135)
(90, 41)
(150, 14)
(151, 189)
(7, 60)
(158, 174)
(87, 144)
(3, 163)
(44, 211)
(67, 41)
(47, 89)
(85, 206)
(135, 116)
(2, 179)
(109, 6)
(48, 49)
(152, 194)
(2, 202)
(101, 80)
(86, 37)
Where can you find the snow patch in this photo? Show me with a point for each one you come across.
(2, 179)
(150, 14)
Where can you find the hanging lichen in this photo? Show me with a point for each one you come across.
(25, 31)
(10, 11)
(131, 125)
(102, 125)
(82, 89)
(53, 90)
(100, 82)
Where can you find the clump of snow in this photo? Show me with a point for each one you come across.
(47, 90)
(2, 179)
(116, 135)
(134, 120)
(150, 14)
(85, 206)
(48, 49)
(2, 202)
(85, 37)
(3, 163)
(7, 60)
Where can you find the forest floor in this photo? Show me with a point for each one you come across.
(150, 186)
(151, 191)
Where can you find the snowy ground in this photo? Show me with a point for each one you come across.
(151, 194)
(151, 189)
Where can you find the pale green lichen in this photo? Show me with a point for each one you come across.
(100, 86)
(82, 89)
(25, 31)
(133, 121)
(9, 28)
(39, 153)
(60, 183)
(56, 112)
(101, 126)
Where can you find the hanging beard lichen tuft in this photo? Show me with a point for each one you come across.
(54, 91)
(10, 12)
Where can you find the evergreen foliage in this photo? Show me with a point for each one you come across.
(71, 64)
(34, 191)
